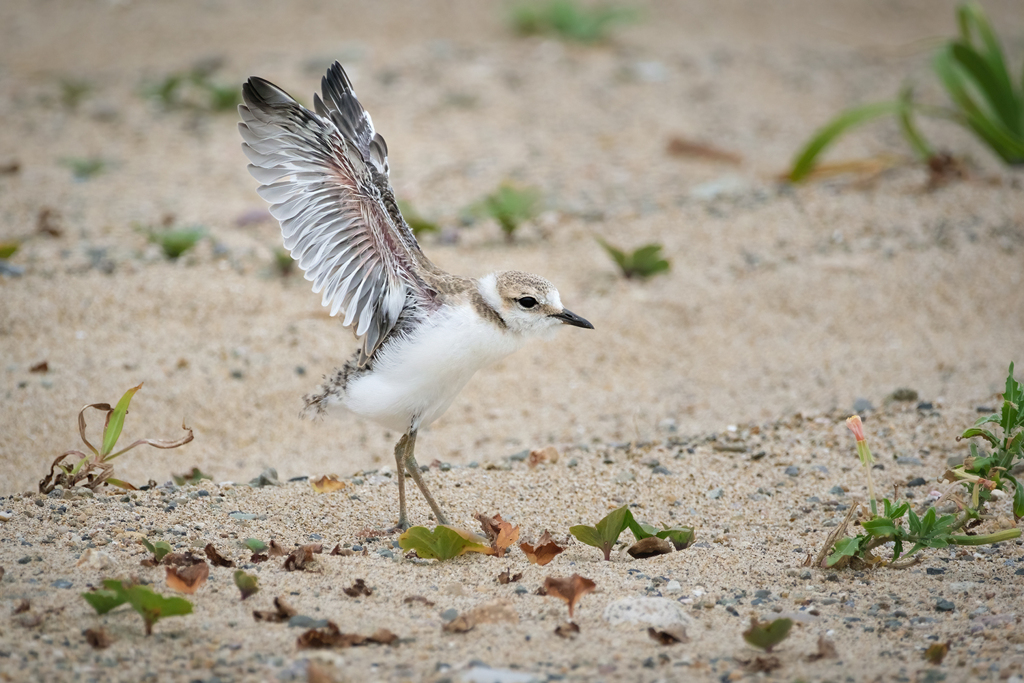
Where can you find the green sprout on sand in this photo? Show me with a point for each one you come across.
(84, 168)
(177, 241)
(150, 605)
(96, 469)
(417, 223)
(985, 99)
(643, 262)
(443, 543)
(605, 534)
(510, 206)
(569, 20)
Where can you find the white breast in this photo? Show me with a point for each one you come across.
(417, 377)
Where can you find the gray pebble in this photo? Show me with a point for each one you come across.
(714, 494)
(660, 469)
(62, 583)
(384, 552)
(302, 621)
(449, 614)
(862, 405)
(944, 605)
(573, 462)
(917, 481)
(792, 471)
(908, 460)
(837, 491)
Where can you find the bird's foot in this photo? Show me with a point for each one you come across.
(402, 526)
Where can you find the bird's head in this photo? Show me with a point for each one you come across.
(527, 304)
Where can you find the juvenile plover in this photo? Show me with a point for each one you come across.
(424, 332)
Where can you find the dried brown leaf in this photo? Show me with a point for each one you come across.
(258, 557)
(668, 636)
(23, 606)
(187, 579)
(496, 611)
(501, 533)
(327, 484)
(331, 636)
(543, 552)
(357, 589)
(216, 559)
(762, 664)
(301, 556)
(98, 638)
(542, 455)
(282, 612)
(417, 599)
(681, 147)
(826, 650)
(570, 590)
(567, 630)
(185, 559)
(42, 366)
(937, 652)
(344, 552)
(650, 547)
(275, 549)
(504, 578)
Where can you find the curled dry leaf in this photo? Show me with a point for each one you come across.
(542, 455)
(258, 557)
(327, 484)
(826, 650)
(649, 547)
(282, 612)
(417, 599)
(185, 559)
(570, 590)
(301, 556)
(504, 578)
(357, 589)
(98, 638)
(567, 630)
(187, 579)
(331, 636)
(937, 652)
(23, 606)
(501, 533)
(275, 549)
(543, 552)
(668, 636)
(216, 559)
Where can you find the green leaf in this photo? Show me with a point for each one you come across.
(766, 635)
(844, 547)
(880, 526)
(176, 242)
(112, 595)
(680, 536)
(1018, 499)
(246, 583)
(911, 132)
(606, 532)
(984, 433)
(644, 261)
(828, 133)
(255, 545)
(115, 422)
(443, 543)
(159, 549)
(417, 223)
(569, 20)
(153, 607)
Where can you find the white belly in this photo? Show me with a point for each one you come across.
(418, 377)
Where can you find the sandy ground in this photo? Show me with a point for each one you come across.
(780, 301)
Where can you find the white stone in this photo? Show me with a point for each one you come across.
(660, 612)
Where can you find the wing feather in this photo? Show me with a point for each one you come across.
(324, 173)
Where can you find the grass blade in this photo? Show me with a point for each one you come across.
(115, 422)
(828, 133)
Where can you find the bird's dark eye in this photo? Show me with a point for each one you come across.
(527, 302)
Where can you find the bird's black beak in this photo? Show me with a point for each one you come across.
(570, 318)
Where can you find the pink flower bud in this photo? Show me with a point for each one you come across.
(856, 426)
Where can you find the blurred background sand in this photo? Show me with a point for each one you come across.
(780, 299)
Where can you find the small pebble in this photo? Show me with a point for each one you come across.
(449, 614)
(944, 605)
(917, 481)
(792, 471)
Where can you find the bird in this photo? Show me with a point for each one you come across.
(424, 332)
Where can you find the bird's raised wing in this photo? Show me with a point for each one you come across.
(325, 175)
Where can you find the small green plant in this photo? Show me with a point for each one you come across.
(8, 248)
(177, 241)
(151, 606)
(569, 20)
(248, 584)
(643, 262)
(767, 634)
(84, 168)
(194, 90)
(284, 264)
(973, 72)
(443, 543)
(255, 545)
(158, 548)
(73, 91)
(901, 526)
(417, 223)
(605, 534)
(510, 206)
(96, 469)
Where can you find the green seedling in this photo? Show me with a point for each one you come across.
(605, 533)
(194, 90)
(767, 634)
(150, 605)
(443, 543)
(680, 536)
(246, 583)
(73, 91)
(96, 469)
(973, 71)
(159, 549)
(255, 545)
(176, 242)
(569, 20)
(643, 262)
(510, 206)
(9, 248)
(193, 477)
(284, 264)
(84, 168)
(417, 223)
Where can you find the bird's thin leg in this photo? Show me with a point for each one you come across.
(400, 447)
(414, 470)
